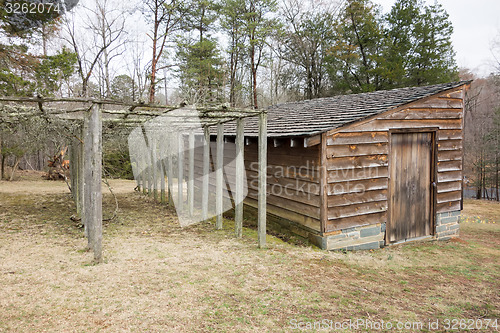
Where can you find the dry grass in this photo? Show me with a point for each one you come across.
(482, 210)
(158, 277)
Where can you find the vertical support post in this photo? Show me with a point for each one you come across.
(262, 200)
(180, 172)
(206, 173)
(150, 173)
(93, 178)
(72, 166)
(144, 177)
(80, 173)
(219, 175)
(147, 171)
(76, 171)
(86, 175)
(170, 168)
(191, 174)
(240, 172)
(138, 180)
(154, 167)
(323, 194)
(161, 171)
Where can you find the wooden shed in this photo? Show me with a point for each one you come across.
(366, 170)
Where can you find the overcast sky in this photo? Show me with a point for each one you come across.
(476, 23)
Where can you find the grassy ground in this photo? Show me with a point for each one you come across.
(158, 277)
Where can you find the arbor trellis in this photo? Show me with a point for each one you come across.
(165, 145)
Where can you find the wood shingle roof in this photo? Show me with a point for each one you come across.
(311, 117)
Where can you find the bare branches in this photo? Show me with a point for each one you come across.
(166, 16)
(107, 28)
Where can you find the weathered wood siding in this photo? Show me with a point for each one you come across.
(357, 161)
(293, 177)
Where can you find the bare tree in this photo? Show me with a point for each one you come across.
(95, 41)
(137, 69)
(259, 25)
(109, 25)
(307, 34)
(165, 18)
(480, 162)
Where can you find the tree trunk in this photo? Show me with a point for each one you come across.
(497, 170)
(232, 74)
(14, 168)
(479, 182)
(106, 73)
(3, 167)
(44, 40)
(152, 86)
(154, 60)
(254, 77)
(2, 171)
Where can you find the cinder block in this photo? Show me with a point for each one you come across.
(447, 233)
(367, 246)
(336, 237)
(449, 220)
(455, 213)
(454, 227)
(354, 234)
(319, 241)
(382, 227)
(443, 215)
(367, 232)
(348, 230)
(350, 242)
(441, 228)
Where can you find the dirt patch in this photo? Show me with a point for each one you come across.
(59, 186)
(159, 277)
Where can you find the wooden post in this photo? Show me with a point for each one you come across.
(86, 175)
(72, 165)
(138, 177)
(206, 174)
(161, 168)
(191, 174)
(161, 171)
(79, 206)
(154, 167)
(219, 175)
(144, 176)
(170, 168)
(262, 179)
(93, 178)
(77, 171)
(180, 172)
(150, 172)
(240, 175)
(148, 175)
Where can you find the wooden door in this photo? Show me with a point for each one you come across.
(410, 186)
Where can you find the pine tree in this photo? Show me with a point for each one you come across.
(200, 69)
(420, 50)
(355, 56)
(23, 73)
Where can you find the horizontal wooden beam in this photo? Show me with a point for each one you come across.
(131, 106)
(312, 141)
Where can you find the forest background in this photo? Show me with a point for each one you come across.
(242, 53)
